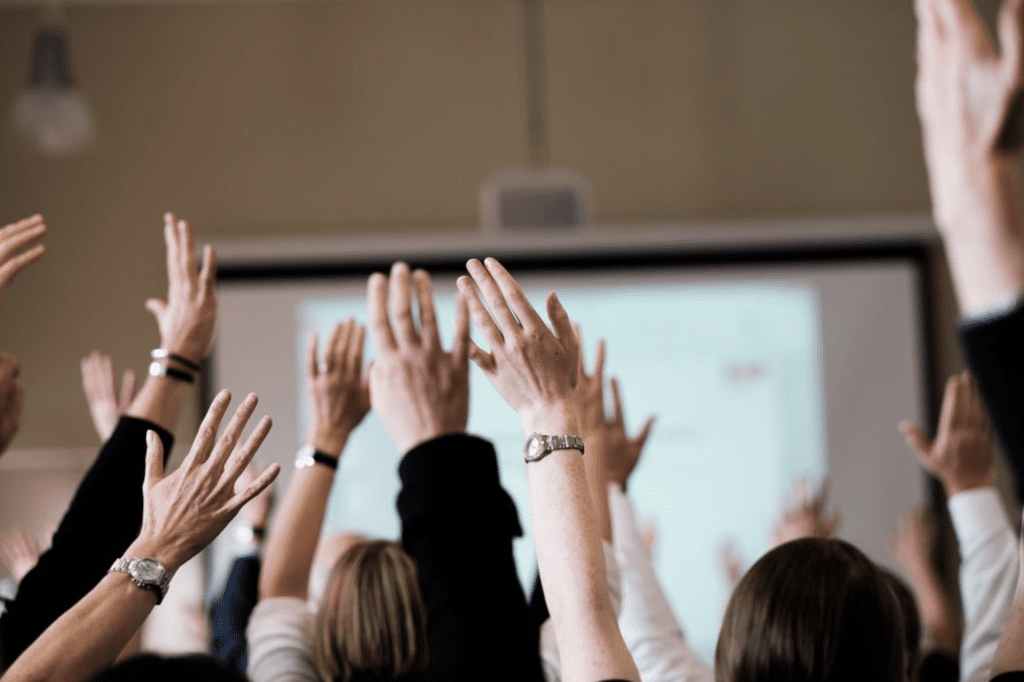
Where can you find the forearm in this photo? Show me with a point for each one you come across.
(101, 521)
(936, 613)
(982, 227)
(291, 545)
(571, 561)
(87, 639)
(160, 401)
(597, 479)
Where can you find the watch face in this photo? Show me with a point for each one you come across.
(534, 448)
(147, 571)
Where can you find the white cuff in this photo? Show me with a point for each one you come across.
(976, 512)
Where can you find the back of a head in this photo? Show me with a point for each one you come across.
(812, 610)
(154, 668)
(911, 621)
(372, 623)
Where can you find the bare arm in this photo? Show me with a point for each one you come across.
(339, 397)
(184, 512)
(14, 239)
(534, 369)
(590, 401)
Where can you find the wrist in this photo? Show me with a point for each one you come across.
(551, 419)
(170, 559)
(965, 484)
(328, 441)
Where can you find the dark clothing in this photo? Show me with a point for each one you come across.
(104, 517)
(1015, 676)
(939, 667)
(229, 613)
(458, 525)
(994, 349)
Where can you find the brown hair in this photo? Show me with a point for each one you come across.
(812, 610)
(372, 624)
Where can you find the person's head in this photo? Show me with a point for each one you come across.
(911, 621)
(153, 668)
(812, 610)
(372, 623)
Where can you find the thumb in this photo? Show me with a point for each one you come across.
(916, 439)
(154, 460)
(1011, 20)
(156, 306)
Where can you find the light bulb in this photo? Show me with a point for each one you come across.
(52, 115)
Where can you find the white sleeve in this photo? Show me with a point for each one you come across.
(280, 635)
(649, 627)
(988, 576)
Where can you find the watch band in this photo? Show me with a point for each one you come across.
(539, 446)
(163, 353)
(308, 455)
(146, 573)
(158, 370)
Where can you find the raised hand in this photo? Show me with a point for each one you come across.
(14, 238)
(11, 397)
(960, 455)
(623, 451)
(188, 316)
(804, 515)
(418, 390)
(19, 553)
(533, 367)
(105, 405)
(590, 390)
(185, 510)
(257, 511)
(339, 392)
(912, 544)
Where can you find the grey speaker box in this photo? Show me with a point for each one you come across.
(546, 199)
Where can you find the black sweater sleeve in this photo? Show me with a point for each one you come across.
(103, 518)
(995, 352)
(229, 613)
(458, 525)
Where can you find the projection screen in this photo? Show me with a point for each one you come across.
(760, 366)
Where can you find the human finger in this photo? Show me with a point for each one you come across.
(481, 316)
(233, 431)
(377, 306)
(428, 316)
(253, 489)
(617, 404)
(400, 305)
(513, 294)
(207, 434)
(339, 350)
(960, 21)
(354, 358)
(329, 357)
(496, 303)
(949, 405)
(645, 432)
(186, 240)
(154, 460)
(208, 273)
(127, 393)
(460, 347)
(20, 226)
(312, 366)
(15, 265)
(918, 442)
(241, 457)
(15, 241)
(481, 358)
(599, 362)
(175, 273)
(928, 21)
(562, 327)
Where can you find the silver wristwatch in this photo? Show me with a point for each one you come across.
(538, 446)
(146, 573)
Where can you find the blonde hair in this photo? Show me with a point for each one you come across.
(372, 622)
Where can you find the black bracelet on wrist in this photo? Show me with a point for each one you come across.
(164, 354)
(158, 370)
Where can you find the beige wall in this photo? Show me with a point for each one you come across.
(321, 118)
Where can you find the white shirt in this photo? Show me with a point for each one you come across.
(988, 576)
(280, 635)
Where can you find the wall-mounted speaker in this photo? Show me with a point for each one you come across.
(549, 199)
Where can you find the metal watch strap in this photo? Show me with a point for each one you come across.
(129, 565)
(539, 446)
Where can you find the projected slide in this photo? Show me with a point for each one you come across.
(734, 374)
